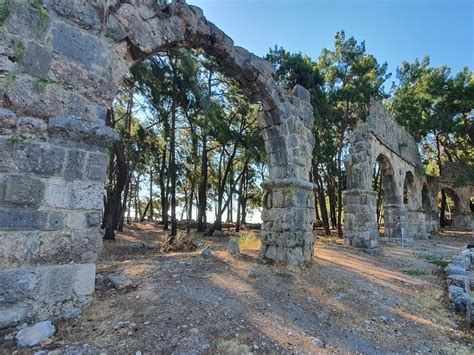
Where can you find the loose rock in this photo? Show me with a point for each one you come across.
(35, 334)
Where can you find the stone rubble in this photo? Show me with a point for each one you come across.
(35, 334)
(459, 283)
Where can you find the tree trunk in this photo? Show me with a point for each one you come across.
(113, 207)
(172, 172)
(202, 193)
(151, 194)
(321, 198)
(163, 192)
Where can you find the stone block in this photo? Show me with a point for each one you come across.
(57, 193)
(12, 316)
(455, 270)
(22, 191)
(93, 219)
(18, 248)
(458, 280)
(84, 281)
(86, 195)
(20, 219)
(34, 335)
(97, 166)
(114, 29)
(37, 60)
(83, 48)
(42, 159)
(85, 245)
(59, 283)
(76, 220)
(19, 285)
(301, 93)
(78, 130)
(74, 165)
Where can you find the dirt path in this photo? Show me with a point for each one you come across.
(347, 302)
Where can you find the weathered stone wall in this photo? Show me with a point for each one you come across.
(457, 181)
(61, 64)
(394, 137)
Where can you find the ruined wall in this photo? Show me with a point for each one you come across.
(61, 64)
(380, 139)
(457, 179)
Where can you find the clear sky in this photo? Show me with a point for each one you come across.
(394, 30)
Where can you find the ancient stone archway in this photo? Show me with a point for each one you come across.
(60, 68)
(456, 181)
(380, 139)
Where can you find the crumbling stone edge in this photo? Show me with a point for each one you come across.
(459, 283)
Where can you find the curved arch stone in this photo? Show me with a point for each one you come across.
(58, 76)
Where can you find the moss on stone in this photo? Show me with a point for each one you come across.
(4, 13)
(20, 50)
(40, 84)
(288, 192)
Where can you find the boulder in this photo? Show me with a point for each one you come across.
(120, 282)
(206, 253)
(35, 334)
(234, 247)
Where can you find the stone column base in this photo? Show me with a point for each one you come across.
(360, 220)
(288, 216)
(416, 224)
(463, 221)
(395, 221)
(45, 292)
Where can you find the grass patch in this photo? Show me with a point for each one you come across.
(43, 15)
(415, 272)
(437, 261)
(249, 241)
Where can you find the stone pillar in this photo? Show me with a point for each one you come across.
(416, 224)
(395, 224)
(288, 216)
(463, 221)
(51, 186)
(432, 221)
(360, 220)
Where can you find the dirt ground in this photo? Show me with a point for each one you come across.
(346, 302)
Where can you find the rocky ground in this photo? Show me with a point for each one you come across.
(182, 302)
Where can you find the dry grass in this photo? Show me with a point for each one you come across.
(249, 241)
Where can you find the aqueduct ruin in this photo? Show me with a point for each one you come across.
(61, 64)
(410, 197)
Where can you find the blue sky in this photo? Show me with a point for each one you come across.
(394, 30)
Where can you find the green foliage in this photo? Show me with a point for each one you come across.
(20, 50)
(43, 15)
(437, 108)
(415, 272)
(288, 192)
(16, 139)
(40, 84)
(435, 260)
(4, 13)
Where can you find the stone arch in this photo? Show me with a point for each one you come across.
(55, 93)
(392, 194)
(394, 211)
